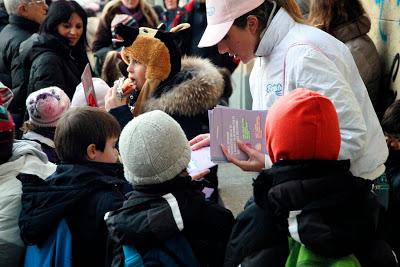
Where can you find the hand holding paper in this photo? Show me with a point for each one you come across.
(202, 140)
(255, 162)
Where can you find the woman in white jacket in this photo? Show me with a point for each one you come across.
(15, 157)
(289, 55)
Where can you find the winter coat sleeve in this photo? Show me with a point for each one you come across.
(315, 71)
(122, 114)
(47, 70)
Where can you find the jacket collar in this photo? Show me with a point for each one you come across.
(348, 31)
(288, 170)
(178, 183)
(277, 30)
(24, 23)
(87, 173)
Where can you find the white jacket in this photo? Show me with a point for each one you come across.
(10, 201)
(293, 55)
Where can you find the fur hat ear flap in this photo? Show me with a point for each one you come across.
(145, 93)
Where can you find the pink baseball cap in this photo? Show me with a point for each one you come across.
(220, 17)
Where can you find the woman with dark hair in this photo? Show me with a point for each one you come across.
(57, 55)
(347, 21)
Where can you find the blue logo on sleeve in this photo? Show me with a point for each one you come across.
(274, 88)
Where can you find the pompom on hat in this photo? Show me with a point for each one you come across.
(153, 149)
(46, 106)
(302, 125)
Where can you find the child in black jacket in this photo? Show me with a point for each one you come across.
(88, 183)
(165, 201)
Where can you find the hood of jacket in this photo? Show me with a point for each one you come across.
(195, 89)
(44, 203)
(40, 43)
(351, 30)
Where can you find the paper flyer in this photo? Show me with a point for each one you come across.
(88, 88)
(228, 125)
(200, 160)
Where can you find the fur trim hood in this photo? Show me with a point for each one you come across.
(197, 94)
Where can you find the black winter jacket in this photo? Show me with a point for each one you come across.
(51, 63)
(81, 193)
(148, 218)
(18, 30)
(318, 203)
(391, 227)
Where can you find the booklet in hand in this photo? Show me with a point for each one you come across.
(88, 88)
(227, 125)
(200, 161)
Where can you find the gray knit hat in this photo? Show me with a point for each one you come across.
(153, 149)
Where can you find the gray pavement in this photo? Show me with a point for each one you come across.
(235, 186)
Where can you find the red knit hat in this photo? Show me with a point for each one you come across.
(302, 125)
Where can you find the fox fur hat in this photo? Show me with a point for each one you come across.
(157, 50)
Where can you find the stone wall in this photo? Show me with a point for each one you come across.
(385, 31)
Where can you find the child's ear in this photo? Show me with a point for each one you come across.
(91, 152)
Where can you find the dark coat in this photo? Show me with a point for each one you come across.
(51, 63)
(3, 16)
(147, 219)
(18, 30)
(81, 193)
(319, 203)
(174, 17)
(393, 214)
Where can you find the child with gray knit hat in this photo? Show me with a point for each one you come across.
(45, 107)
(165, 200)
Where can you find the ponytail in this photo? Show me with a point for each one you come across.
(292, 9)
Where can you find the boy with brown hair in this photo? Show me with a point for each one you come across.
(88, 183)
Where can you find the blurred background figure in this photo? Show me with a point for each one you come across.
(24, 20)
(57, 55)
(129, 12)
(173, 14)
(347, 21)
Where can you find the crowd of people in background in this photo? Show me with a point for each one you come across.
(107, 181)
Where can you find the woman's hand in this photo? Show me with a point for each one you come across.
(255, 163)
(200, 175)
(202, 140)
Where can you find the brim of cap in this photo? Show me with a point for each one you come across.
(214, 33)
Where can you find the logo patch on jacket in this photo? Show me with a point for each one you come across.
(274, 88)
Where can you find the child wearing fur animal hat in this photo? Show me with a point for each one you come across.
(183, 88)
(155, 153)
(308, 193)
(45, 107)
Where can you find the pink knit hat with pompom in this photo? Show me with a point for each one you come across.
(46, 106)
